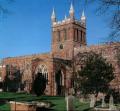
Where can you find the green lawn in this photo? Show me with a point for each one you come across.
(58, 103)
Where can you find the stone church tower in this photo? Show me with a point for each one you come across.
(67, 34)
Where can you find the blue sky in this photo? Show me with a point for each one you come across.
(27, 29)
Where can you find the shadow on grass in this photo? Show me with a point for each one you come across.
(89, 109)
(2, 103)
(52, 98)
(44, 109)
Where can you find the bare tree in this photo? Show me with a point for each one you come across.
(109, 9)
(112, 10)
(3, 6)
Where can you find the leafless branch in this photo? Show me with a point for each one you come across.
(112, 10)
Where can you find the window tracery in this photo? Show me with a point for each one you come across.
(42, 69)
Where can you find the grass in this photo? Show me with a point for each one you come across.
(5, 107)
(58, 103)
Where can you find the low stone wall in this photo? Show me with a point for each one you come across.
(18, 106)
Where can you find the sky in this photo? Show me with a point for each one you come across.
(26, 29)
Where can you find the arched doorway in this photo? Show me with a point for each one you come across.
(59, 83)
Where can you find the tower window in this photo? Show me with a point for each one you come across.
(76, 35)
(81, 36)
(58, 36)
(65, 34)
(84, 37)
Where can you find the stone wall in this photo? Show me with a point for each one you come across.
(28, 66)
(109, 52)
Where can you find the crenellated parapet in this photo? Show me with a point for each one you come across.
(69, 19)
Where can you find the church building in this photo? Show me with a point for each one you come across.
(68, 41)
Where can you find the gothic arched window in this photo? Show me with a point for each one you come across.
(58, 34)
(42, 69)
(65, 34)
(81, 36)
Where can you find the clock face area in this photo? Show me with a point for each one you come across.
(61, 46)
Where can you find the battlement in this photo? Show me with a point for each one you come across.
(69, 19)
